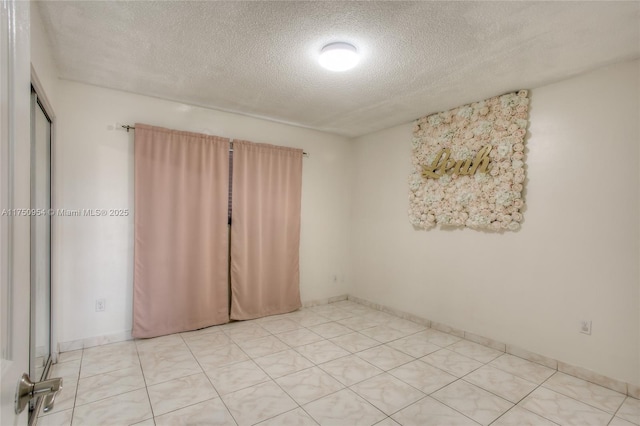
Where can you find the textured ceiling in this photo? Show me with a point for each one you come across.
(260, 58)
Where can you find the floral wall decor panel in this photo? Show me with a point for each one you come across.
(468, 165)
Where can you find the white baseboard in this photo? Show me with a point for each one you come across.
(318, 302)
(89, 342)
(94, 341)
(629, 389)
(633, 390)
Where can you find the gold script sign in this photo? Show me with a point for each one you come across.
(444, 164)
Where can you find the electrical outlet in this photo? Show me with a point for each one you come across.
(100, 305)
(585, 326)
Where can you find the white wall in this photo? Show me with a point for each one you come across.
(42, 60)
(576, 256)
(94, 169)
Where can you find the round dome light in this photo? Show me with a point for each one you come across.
(339, 56)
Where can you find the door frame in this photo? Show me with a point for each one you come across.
(50, 112)
(15, 193)
(39, 100)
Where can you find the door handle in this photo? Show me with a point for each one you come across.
(27, 390)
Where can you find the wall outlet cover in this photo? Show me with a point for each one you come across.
(100, 305)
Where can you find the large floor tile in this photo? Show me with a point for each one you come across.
(355, 342)
(332, 312)
(237, 376)
(162, 344)
(387, 422)
(423, 376)
(630, 410)
(297, 417)
(475, 351)
(564, 410)
(589, 393)
(274, 317)
(148, 422)
(383, 333)
(308, 318)
(379, 317)
(344, 408)
(179, 393)
(452, 362)
(253, 331)
(387, 393)
(350, 370)
(118, 348)
(265, 369)
(70, 356)
(501, 383)
(354, 307)
(619, 421)
(429, 412)
(62, 418)
(210, 413)
(518, 416)
(473, 402)
(385, 357)
(299, 337)
(238, 325)
(415, 345)
(406, 326)
(322, 351)
(439, 338)
(257, 403)
(280, 326)
(522, 368)
(220, 356)
(204, 341)
(102, 386)
(283, 363)
(212, 329)
(157, 370)
(124, 409)
(330, 329)
(69, 371)
(105, 363)
(262, 346)
(359, 323)
(308, 385)
(166, 358)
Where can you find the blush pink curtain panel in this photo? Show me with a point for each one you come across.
(181, 235)
(265, 230)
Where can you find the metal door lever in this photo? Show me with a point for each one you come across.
(27, 390)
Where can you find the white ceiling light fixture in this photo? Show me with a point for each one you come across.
(339, 56)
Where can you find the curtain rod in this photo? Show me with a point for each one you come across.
(127, 128)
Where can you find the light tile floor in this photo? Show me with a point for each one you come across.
(337, 364)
